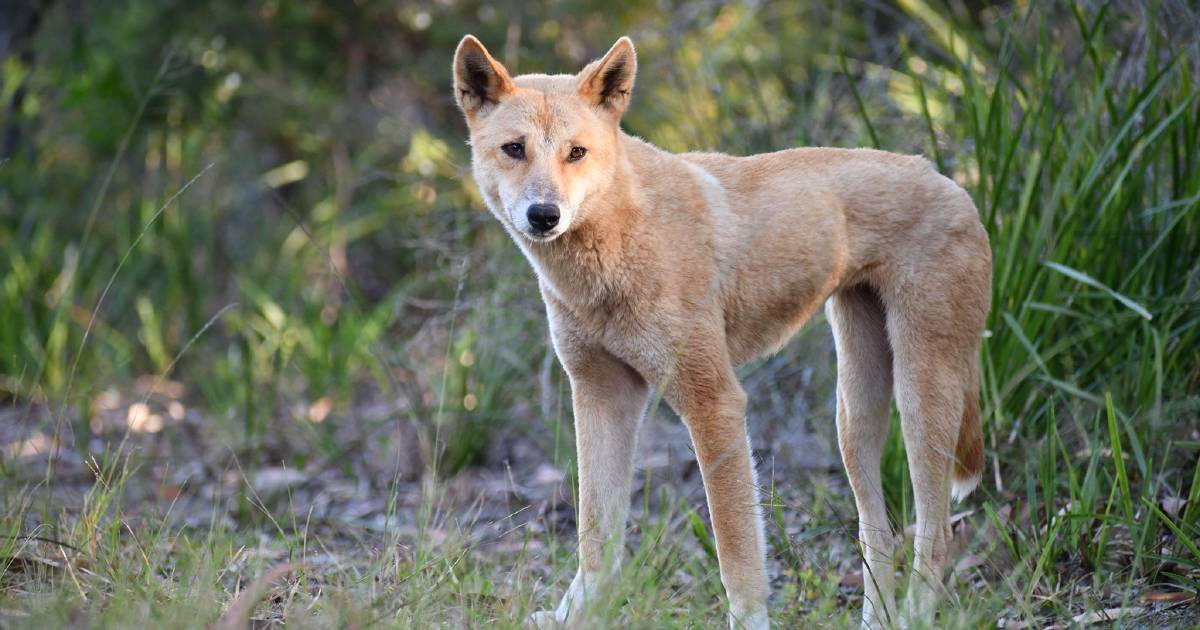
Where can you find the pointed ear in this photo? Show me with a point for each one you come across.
(479, 80)
(608, 83)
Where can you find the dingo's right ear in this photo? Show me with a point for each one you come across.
(479, 80)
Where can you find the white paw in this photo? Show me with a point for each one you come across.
(546, 620)
(749, 619)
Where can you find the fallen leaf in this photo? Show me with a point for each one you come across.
(25, 563)
(1015, 624)
(1171, 506)
(35, 444)
(275, 478)
(1004, 514)
(1107, 614)
(547, 474)
(853, 579)
(955, 519)
(320, 409)
(968, 562)
(141, 420)
(1165, 597)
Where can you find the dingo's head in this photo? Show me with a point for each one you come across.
(540, 145)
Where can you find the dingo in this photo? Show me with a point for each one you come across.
(662, 270)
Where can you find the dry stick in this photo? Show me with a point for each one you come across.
(43, 539)
(71, 572)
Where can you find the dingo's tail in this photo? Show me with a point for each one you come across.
(968, 456)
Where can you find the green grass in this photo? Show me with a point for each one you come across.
(349, 316)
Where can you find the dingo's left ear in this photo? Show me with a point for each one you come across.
(608, 83)
(479, 80)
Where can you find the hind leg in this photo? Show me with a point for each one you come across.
(864, 392)
(937, 289)
(930, 384)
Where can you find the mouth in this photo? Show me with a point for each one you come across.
(542, 237)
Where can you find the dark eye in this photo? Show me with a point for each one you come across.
(514, 150)
(576, 154)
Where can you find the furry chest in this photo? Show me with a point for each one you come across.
(642, 343)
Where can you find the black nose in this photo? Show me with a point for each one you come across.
(542, 216)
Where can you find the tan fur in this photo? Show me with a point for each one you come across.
(669, 270)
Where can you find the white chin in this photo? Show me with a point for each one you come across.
(543, 237)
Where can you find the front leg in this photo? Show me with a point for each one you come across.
(609, 400)
(706, 393)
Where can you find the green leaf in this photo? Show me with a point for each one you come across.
(1092, 282)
